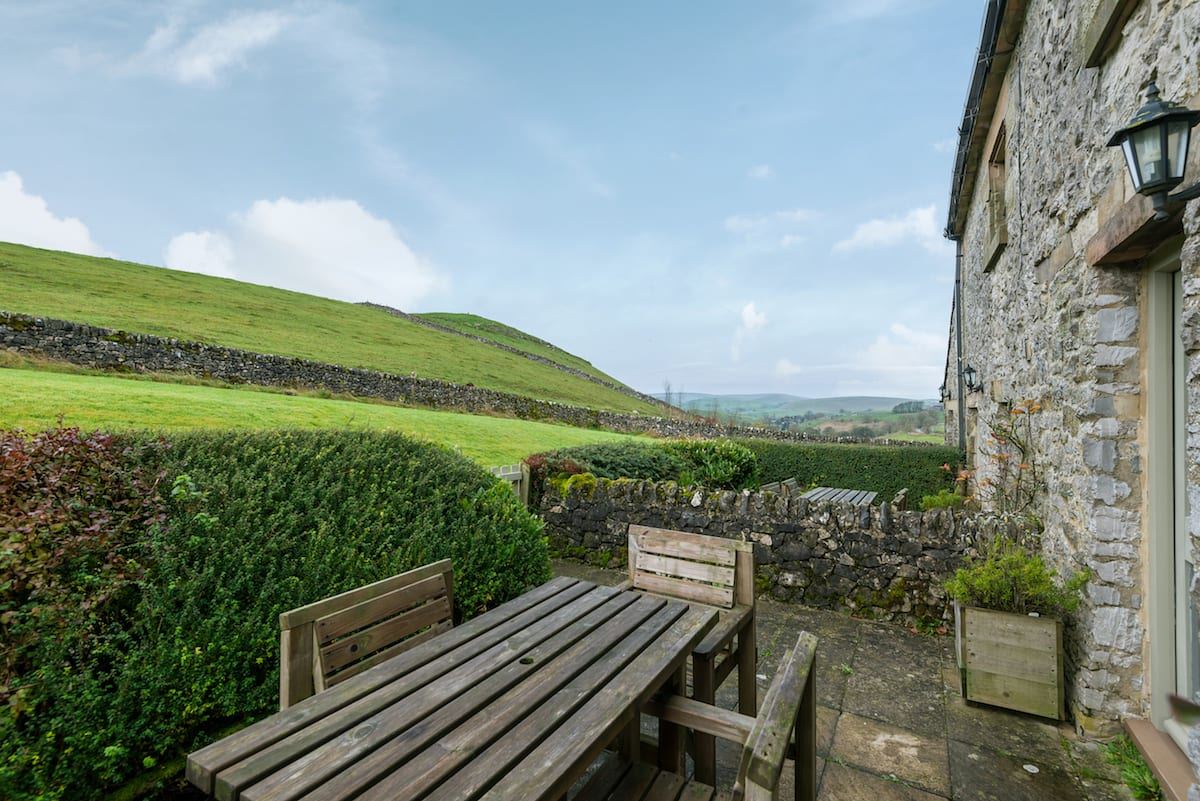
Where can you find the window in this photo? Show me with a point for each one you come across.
(997, 205)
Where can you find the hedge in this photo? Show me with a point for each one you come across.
(885, 469)
(212, 536)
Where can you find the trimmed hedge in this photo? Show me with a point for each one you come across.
(254, 524)
(885, 469)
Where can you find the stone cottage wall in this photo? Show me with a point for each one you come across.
(871, 560)
(1045, 325)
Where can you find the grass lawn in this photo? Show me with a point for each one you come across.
(220, 311)
(34, 399)
(513, 337)
(937, 439)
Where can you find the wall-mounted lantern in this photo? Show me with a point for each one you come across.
(971, 378)
(944, 393)
(1155, 143)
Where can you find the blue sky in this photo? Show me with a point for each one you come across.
(733, 197)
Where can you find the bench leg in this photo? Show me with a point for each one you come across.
(704, 746)
(747, 656)
(670, 735)
(806, 740)
(629, 741)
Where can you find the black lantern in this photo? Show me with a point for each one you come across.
(944, 393)
(1155, 143)
(971, 378)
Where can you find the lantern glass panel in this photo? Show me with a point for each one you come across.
(1177, 146)
(1148, 144)
(1131, 161)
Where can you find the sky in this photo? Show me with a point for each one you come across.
(729, 197)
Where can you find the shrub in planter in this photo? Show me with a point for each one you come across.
(1009, 610)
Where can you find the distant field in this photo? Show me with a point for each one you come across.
(754, 407)
(33, 400)
(170, 303)
(513, 337)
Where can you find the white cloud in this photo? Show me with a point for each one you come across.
(330, 247)
(760, 172)
(945, 145)
(918, 226)
(747, 223)
(788, 240)
(27, 220)
(201, 252)
(845, 11)
(900, 361)
(751, 320)
(200, 58)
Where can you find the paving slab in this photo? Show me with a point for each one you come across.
(892, 722)
(890, 751)
(844, 783)
(1011, 733)
(980, 774)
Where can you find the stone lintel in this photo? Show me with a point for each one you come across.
(1132, 233)
(1103, 30)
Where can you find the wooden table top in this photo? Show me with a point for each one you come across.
(513, 704)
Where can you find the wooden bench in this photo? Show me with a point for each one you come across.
(839, 495)
(716, 572)
(790, 707)
(333, 639)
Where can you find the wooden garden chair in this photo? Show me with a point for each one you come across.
(331, 640)
(790, 706)
(716, 572)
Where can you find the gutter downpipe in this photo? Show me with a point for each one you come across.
(958, 347)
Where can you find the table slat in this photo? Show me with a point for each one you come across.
(264, 761)
(204, 764)
(548, 771)
(414, 733)
(494, 720)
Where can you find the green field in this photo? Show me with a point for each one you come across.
(34, 399)
(507, 335)
(220, 311)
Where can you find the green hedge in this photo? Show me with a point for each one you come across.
(885, 469)
(254, 524)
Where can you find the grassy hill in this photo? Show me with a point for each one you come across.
(507, 335)
(37, 399)
(221, 311)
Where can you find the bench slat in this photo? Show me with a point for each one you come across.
(688, 590)
(326, 606)
(369, 640)
(344, 621)
(681, 568)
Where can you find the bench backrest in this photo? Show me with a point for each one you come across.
(708, 570)
(331, 640)
(790, 705)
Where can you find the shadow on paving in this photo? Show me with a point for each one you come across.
(892, 726)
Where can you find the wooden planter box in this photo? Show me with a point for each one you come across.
(1011, 661)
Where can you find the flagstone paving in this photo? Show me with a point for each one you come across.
(892, 725)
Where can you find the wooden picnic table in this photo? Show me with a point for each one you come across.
(513, 704)
(839, 495)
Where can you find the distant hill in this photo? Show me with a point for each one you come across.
(755, 406)
(171, 303)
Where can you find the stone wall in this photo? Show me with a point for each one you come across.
(108, 349)
(1043, 324)
(871, 560)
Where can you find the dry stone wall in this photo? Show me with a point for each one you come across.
(109, 349)
(871, 560)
